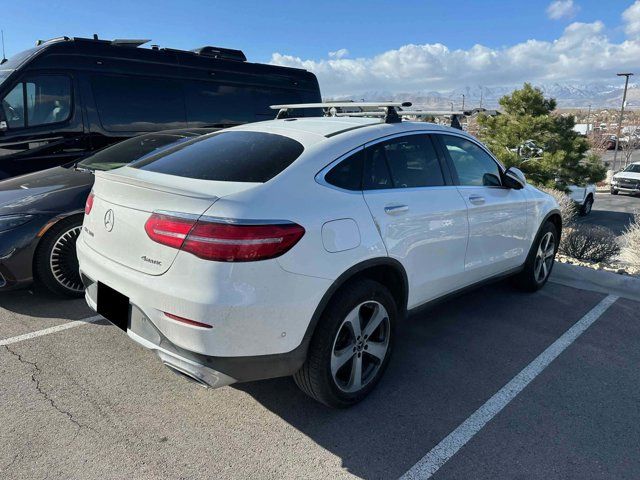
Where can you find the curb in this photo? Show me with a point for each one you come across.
(596, 280)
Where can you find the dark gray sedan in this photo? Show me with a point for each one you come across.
(41, 213)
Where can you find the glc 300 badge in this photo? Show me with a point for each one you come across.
(108, 220)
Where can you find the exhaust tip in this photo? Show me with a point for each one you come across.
(186, 375)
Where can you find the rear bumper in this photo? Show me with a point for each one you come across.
(256, 309)
(210, 371)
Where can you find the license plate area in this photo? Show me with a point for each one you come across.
(113, 306)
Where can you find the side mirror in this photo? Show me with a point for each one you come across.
(514, 178)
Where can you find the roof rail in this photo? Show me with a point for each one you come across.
(389, 111)
(56, 39)
(222, 53)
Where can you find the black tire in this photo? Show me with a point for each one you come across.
(614, 192)
(56, 263)
(585, 209)
(529, 278)
(316, 377)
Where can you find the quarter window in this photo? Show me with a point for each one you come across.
(474, 166)
(348, 173)
(403, 162)
(47, 97)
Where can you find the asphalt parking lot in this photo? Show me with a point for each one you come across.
(86, 402)
(613, 211)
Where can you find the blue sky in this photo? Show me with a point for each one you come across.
(365, 33)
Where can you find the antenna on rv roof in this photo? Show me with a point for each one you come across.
(4, 57)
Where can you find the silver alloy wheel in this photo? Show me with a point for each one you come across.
(544, 257)
(360, 346)
(63, 261)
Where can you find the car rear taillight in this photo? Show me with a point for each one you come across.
(89, 204)
(168, 230)
(221, 241)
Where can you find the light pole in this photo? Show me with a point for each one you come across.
(624, 99)
(463, 101)
(588, 117)
(451, 106)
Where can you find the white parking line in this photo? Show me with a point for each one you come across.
(47, 331)
(449, 446)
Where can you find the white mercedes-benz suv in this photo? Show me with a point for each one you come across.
(295, 246)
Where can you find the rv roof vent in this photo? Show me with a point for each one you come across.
(129, 42)
(222, 53)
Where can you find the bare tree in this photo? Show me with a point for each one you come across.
(630, 144)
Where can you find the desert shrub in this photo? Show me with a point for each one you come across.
(589, 242)
(568, 208)
(630, 251)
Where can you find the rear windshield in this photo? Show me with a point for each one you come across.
(231, 156)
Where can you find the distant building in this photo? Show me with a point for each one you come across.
(583, 128)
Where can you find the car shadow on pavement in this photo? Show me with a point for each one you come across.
(39, 302)
(448, 361)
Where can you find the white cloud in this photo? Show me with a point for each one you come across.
(561, 9)
(343, 52)
(631, 18)
(583, 53)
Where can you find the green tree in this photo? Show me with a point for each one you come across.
(528, 116)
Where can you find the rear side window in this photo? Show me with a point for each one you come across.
(403, 162)
(230, 156)
(348, 173)
(138, 104)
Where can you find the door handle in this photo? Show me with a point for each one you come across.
(395, 209)
(476, 199)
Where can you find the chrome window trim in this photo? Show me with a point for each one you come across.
(320, 176)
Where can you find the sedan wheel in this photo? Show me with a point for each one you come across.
(64, 262)
(56, 263)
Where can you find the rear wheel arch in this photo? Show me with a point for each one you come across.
(387, 271)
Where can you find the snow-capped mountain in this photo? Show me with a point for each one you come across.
(598, 95)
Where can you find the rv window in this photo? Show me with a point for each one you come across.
(138, 104)
(210, 103)
(48, 99)
(13, 107)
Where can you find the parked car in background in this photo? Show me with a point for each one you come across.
(41, 213)
(583, 196)
(294, 246)
(69, 97)
(610, 143)
(627, 180)
(528, 149)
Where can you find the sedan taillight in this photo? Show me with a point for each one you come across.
(221, 241)
(89, 204)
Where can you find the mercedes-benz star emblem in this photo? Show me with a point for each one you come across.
(108, 220)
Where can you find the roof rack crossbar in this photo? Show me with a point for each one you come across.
(389, 113)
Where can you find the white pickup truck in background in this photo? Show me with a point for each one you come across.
(583, 196)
